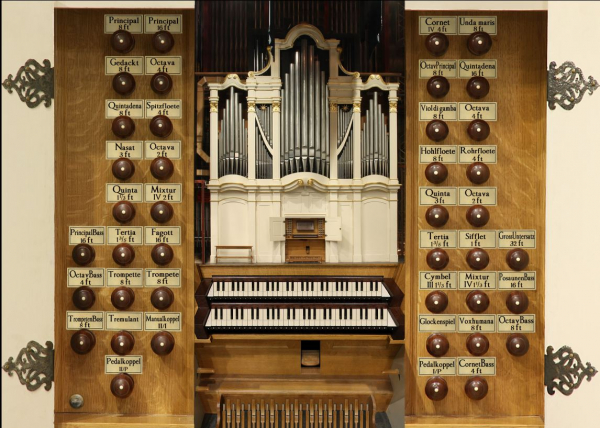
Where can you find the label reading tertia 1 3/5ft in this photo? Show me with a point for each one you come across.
(132, 235)
(437, 239)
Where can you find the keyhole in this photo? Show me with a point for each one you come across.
(307, 249)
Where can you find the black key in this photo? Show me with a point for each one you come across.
(371, 287)
(277, 313)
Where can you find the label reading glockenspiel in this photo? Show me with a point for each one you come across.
(169, 321)
(163, 235)
(93, 235)
(90, 277)
(437, 323)
(163, 192)
(163, 277)
(115, 364)
(432, 280)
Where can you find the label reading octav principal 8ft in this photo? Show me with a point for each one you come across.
(437, 67)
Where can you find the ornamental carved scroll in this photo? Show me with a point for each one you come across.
(34, 83)
(567, 86)
(564, 370)
(34, 366)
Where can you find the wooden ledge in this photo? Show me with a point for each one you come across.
(473, 422)
(93, 420)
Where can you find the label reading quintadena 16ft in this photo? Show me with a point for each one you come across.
(511, 280)
(131, 23)
(445, 154)
(468, 323)
(438, 24)
(118, 64)
(469, 366)
(125, 235)
(437, 280)
(166, 235)
(516, 323)
(471, 111)
(116, 192)
(167, 149)
(125, 277)
(468, 68)
(93, 235)
(88, 320)
(469, 280)
(470, 154)
(437, 239)
(159, 277)
(477, 238)
(437, 195)
(164, 64)
(132, 108)
(437, 323)
(170, 321)
(437, 367)
(437, 67)
(91, 277)
(516, 239)
(171, 108)
(163, 192)
(477, 195)
(171, 23)
(124, 321)
(471, 24)
(115, 364)
(444, 111)
(124, 149)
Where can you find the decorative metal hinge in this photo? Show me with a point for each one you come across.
(34, 83)
(564, 370)
(34, 366)
(566, 85)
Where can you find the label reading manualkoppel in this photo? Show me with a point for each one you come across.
(437, 367)
(115, 364)
(469, 280)
(163, 64)
(437, 67)
(438, 24)
(167, 149)
(437, 195)
(470, 154)
(516, 239)
(171, 108)
(437, 239)
(472, 24)
(516, 323)
(118, 64)
(131, 23)
(88, 320)
(468, 323)
(445, 154)
(116, 192)
(171, 23)
(511, 280)
(159, 277)
(469, 366)
(90, 277)
(470, 111)
(468, 68)
(444, 111)
(437, 280)
(163, 235)
(124, 321)
(93, 235)
(125, 235)
(124, 149)
(132, 108)
(169, 321)
(477, 238)
(163, 192)
(125, 277)
(437, 323)
(477, 195)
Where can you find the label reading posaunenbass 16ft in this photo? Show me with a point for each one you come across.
(115, 364)
(171, 108)
(93, 235)
(132, 108)
(163, 277)
(90, 277)
(511, 280)
(169, 321)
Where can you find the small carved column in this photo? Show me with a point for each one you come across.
(333, 138)
(276, 138)
(251, 134)
(393, 106)
(214, 134)
(356, 154)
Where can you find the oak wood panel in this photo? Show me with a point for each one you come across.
(474, 422)
(82, 420)
(81, 172)
(519, 133)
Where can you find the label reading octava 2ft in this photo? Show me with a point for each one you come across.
(166, 149)
(477, 195)
(115, 364)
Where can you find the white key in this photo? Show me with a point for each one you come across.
(383, 291)
(390, 320)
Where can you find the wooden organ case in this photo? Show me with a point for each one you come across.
(394, 209)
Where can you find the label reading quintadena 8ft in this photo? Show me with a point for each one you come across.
(437, 67)
(437, 323)
(437, 366)
(132, 108)
(115, 364)
(432, 280)
(93, 235)
(91, 277)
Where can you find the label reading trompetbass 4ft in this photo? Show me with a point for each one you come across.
(115, 364)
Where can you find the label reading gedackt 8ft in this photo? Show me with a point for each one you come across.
(124, 277)
(171, 23)
(472, 24)
(512, 280)
(132, 108)
(124, 149)
(171, 108)
(163, 64)
(437, 280)
(469, 366)
(88, 320)
(167, 149)
(131, 23)
(437, 367)
(437, 239)
(163, 192)
(468, 323)
(437, 67)
(469, 280)
(93, 235)
(470, 154)
(477, 238)
(163, 277)
(445, 154)
(132, 235)
(119, 64)
(437, 323)
(516, 239)
(477, 196)
(163, 235)
(169, 321)
(124, 321)
(90, 277)
(444, 111)
(437, 195)
(468, 68)
(516, 323)
(471, 111)
(116, 192)
(438, 24)
(115, 364)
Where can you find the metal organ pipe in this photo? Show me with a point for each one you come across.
(232, 138)
(375, 140)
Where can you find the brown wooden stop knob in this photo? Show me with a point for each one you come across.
(517, 302)
(162, 298)
(438, 86)
(478, 130)
(437, 130)
(479, 43)
(478, 87)
(436, 172)
(162, 343)
(161, 126)
(517, 344)
(123, 211)
(436, 301)
(437, 259)
(477, 344)
(122, 343)
(161, 83)
(84, 297)
(121, 385)
(478, 301)
(123, 254)
(436, 388)
(517, 259)
(437, 215)
(162, 254)
(437, 345)
(478, 173)
(437, 44)
(478, 259)
(123, 126)
(161, 212)
(123, 83)
(476, 388)
(478, 215)
(122, 41)
(163, 41)
(83, 254)
(83, 341)
(122, 298)
(162, 168)
(123, 168)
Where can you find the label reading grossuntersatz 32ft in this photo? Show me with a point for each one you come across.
(437, 367)
(93, 235)
(115, 364)
(434, 280)
(516, 239)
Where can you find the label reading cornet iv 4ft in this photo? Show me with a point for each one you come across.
(472, 111)
(445, 154)
(125, 235)
(171, 108)
(443, 111)
(437, 280)
(469, 366)
(437, 195)
(470, 154)
(124, 321)
(115, 364)
(124, 149)
(131, 23)
(516, 239)
(163, 277)
(163, 192)
(437, 239)
(163, 235)
(90, 277)
(166, 149)
(88, 320)
(171, 23)
(437, 67)
(516, 323)
(470, 280)
(468, 68)
(512, 280)
(438, 24)
(471, 24)
(163, 64)
(437, 323)
(132, 108)
(93, 235)
(477, 195)
(116, 192)
(437, 367)
(125, 277)
(468, 323)
(169, 321)
(119, 64)
(477, 238)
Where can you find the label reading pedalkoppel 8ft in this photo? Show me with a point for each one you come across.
(163, 235)
(90, 277)
(124, 277)
(132, 108)
(437, 67)
(116, 192)
(437, 367)
(434, 280)
(93, 235)
(115, 364)
(168, 321)
(170, 108)
(512, 280)
(163, 277)
(438, 24)
(131, 23)
(124, 149)
(171, 23)
(89, 320)
(437, 323)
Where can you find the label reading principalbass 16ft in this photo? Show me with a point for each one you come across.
(437, 239)
(438, 24)
(516, 323)
(516, 280)
(125, 277)
(437, 195)
(171, 23)
(132, 108)
(163, 235)
(437, 323)
(115, 364)
(445, 154)
(437, 67)
(516, 239)
(91, 277)
(470, 154)
(171, 108)
(116, 192)
(124, 149)
(93, 235)
(437, 367)
(471, 24)
(432, 280)
(444, 111)
(118, 64)
(88, 320)
(131, 23)
(164, 64)
(159, 277)
(471, 111)
(469, 366)
(169, 321)
(468, 68)
(163, 192)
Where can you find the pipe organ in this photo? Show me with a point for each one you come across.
(303, 315)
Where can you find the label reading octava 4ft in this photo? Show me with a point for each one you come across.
(93, 235)
(125, 277)
(163, 64)
(90, 277)
(115, 364)
(159, 277)
(472, 111)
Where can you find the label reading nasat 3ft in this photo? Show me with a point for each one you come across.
(469, 366)
(512, 280)
(124, 321)
(163, 235)
(90, 277)
(115, 364)
(124, 277)
(159, 277)
(434, 280)
(119, 64)
(437, 367)
(437, 67)
(169, 321)
(89, 320)
(124, 149)
(93, 235)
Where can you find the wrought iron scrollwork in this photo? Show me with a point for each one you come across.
(34, 83)
(34, 366)
(564, 370)
(567, 86)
